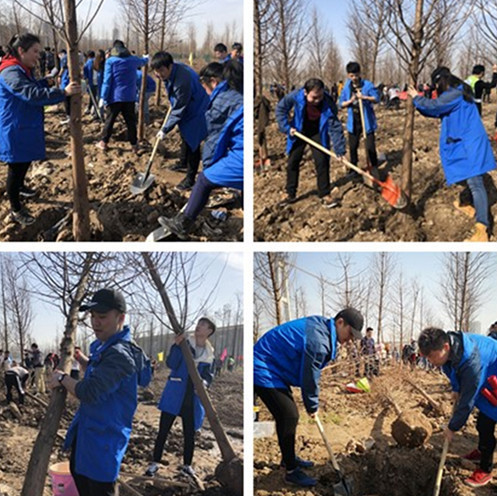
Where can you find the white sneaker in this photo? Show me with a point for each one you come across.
(188, 470)
(152, 469)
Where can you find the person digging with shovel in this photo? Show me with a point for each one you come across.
(222, 155)
(315, 116)
(470, 363)
(189, 101)
(293, 355)
(465, 150)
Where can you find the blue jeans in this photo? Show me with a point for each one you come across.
(480, 198)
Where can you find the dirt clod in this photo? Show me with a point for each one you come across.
(411, 429)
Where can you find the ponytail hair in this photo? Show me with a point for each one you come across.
(233, 74)
(443, 79)
(24, 41)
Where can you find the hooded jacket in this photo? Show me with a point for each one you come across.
(119, 83)
(176, 386)
(329, 125)
(465, 149)
(108, 400)
(189, 102)
(22, 98)
(294, 354)
(472, 360)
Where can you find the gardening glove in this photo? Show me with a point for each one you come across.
(101, 103)
(161, 135)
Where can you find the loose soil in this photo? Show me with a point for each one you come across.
(116, 214)
(363, 214)
(359, 428)
(226, 393)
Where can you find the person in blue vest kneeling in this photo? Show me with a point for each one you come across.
(179, 397)
(470, 363)
(293, 355)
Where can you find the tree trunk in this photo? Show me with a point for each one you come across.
(81, 218)
(162, 42)
(34, 481)
(257, 49)
(143, 89)
(408, 138)
(276, 292)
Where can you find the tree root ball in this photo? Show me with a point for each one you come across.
(230, 475)
(411, 429)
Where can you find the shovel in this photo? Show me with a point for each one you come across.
(144, 180)
(343, 487)
(388, 189)
(162, 232)
(369, 167)
(438, 480)
(92, 96)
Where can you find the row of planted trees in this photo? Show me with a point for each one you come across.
(160, 284)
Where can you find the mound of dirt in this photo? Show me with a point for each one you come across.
(411, 429)
(363, 215)
(116, 214)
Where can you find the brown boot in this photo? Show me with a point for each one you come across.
(467, 210)
(480, 233)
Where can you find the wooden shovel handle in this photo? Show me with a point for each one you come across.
(157, 140)
(441, 465)
(327, 444)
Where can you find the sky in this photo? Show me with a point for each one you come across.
(219, 12)
(426, 267)
(48, 322)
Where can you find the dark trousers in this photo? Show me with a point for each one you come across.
(14, 381)
(486, 441)
(127, 109)
(15, 181)
(284, 410)
(166, 422)
(93, 90)
(67, 105)
(183, 153)
(192, 159)
(87, 486)
(199, 196)
(354, 140)
(321, 161)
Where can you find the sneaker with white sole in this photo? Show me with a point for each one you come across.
(27, 192)
(65, 121)
(188, 470)
(152, 469)
(22, 217)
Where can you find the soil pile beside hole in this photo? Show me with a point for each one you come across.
(411, 429)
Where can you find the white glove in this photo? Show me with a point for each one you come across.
(101, 103)
(146, 56)
(161, 135)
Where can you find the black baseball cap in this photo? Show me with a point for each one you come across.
(105, 300)
(354, 319)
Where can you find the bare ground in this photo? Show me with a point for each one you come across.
(116, 214)
(359, 428)
(363, 214)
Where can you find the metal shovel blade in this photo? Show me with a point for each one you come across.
(159, 234)
(343, 487)
(141, 183)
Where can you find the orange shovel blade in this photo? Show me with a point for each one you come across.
(392, 193)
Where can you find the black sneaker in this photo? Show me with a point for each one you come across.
(287, 200)
(152, 469)
(22, 217)
(300, 463)
(179, 167)
(27, 192)
(179, 225)
(185, 185)
(299, 478)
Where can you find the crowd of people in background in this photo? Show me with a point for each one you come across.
(206, 107)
